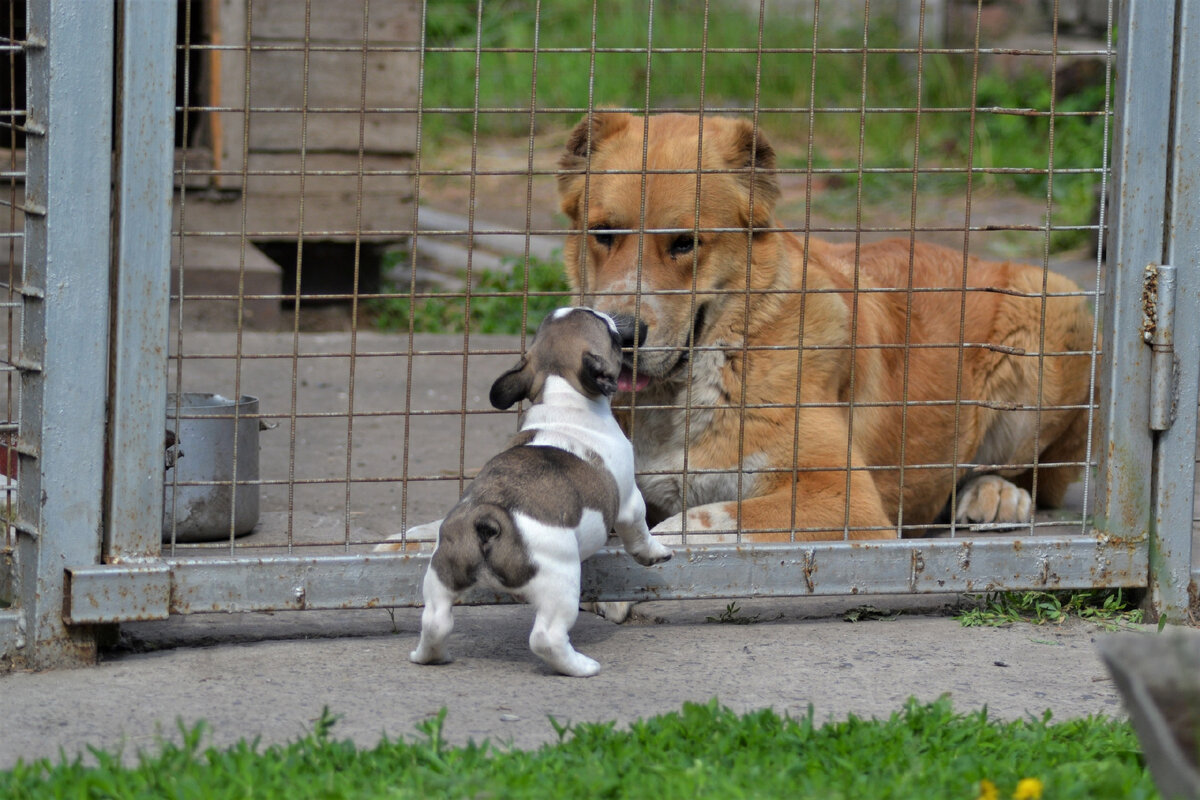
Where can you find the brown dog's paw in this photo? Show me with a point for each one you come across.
(992, 499)
(616, 612)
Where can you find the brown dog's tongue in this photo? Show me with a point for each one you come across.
(625, 382)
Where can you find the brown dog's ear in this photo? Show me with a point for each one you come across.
(513, 386)
(752, 152)
(597, 375)
(585, 139)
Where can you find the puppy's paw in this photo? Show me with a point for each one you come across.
(578, 666)
(423, 656)
(992, 499)
(653, 554)
(616, 612)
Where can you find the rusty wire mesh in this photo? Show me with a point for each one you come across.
(320, 134)
(13, 126)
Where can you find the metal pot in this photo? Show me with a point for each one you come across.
(205, 437)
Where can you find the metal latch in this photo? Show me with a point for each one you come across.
(1158, 331)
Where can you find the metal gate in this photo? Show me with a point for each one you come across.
(239, 164)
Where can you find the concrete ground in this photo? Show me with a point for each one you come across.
(270, 675)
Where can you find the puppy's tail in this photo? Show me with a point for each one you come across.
(483, 534)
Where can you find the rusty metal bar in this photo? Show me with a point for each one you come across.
(145, 159)
(1173, 577)
(1138, 209)
(65, 323)
(132, 592)
(109, 593)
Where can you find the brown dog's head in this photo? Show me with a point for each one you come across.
(657, 219)
(579, 345)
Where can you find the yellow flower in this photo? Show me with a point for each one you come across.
(1028, 789)
(987, 790)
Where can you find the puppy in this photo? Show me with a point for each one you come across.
(539, 508)
(790, 389)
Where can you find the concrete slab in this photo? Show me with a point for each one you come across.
(269, 676)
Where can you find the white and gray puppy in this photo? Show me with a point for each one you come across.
(537, 509)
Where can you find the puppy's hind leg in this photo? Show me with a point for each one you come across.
(554, 594)
(437, 620)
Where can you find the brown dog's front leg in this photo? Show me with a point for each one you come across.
(821, 514)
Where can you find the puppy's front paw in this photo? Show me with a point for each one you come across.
(429, 656)
(616, 612)
(654, 553)
(990, 498)
(579, 666)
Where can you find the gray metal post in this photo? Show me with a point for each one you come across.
(1171, 575)
(1138, 210)
(64, 338)
(145, 140)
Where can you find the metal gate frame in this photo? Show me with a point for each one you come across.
(89, 506)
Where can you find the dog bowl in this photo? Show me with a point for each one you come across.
(204, 433)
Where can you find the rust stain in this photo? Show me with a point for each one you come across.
(810, 567)
(1149, 302)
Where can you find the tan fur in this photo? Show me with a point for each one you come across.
(794, 463)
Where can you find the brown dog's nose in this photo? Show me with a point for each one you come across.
(627, 328)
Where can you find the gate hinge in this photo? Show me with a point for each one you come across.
(1158, 331)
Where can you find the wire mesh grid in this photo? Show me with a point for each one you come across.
(13, 127)
(368, 230)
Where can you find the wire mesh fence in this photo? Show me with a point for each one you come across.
(860, 259)
(13, 124)
(368, 227)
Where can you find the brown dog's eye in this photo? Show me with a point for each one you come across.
(602, 236)
(682, 245)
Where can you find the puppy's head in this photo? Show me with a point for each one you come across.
(579, 345)
(661, 206)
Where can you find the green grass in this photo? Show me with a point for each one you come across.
(1005, 135)
(923, 751)
(500, 302)
(1109, 608)
(732, 615)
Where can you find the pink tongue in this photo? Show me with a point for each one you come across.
(625, 381)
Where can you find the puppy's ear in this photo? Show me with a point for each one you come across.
(513, 386)
(750, 151)
(597, 376)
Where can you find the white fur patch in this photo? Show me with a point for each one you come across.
(562, 312)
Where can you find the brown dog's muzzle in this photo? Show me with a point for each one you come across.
(632, 332)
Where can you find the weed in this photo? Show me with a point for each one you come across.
(1108, 608)
(732, 615)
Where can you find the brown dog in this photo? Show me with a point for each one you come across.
(774, 376)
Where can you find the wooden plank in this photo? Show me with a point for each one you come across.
(397, 182)
(277, 80)
(392, 22)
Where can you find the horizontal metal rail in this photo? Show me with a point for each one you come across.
(158, 588)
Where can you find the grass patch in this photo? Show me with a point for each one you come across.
(500, 301)
(702, 751)
(1109, 608)
(486, 86)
